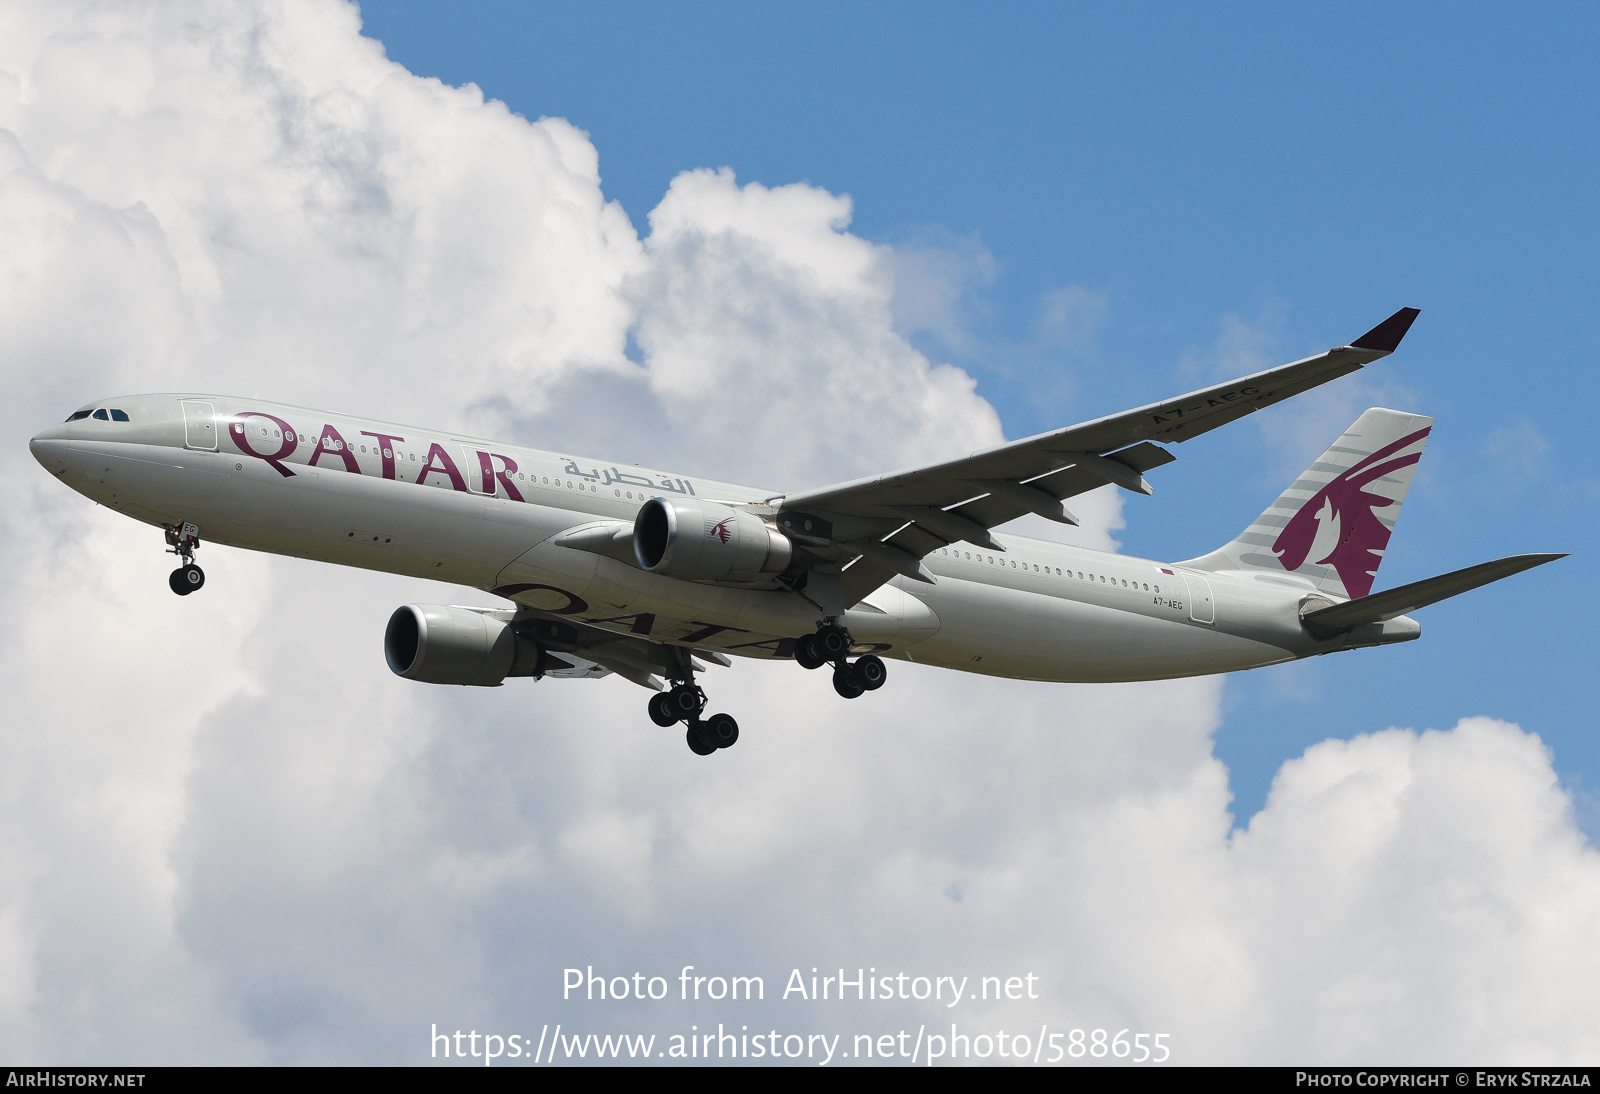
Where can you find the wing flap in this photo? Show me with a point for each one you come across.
(637, 659)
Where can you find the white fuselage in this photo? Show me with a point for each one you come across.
(305, 483)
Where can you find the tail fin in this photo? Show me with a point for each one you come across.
(1333, 525)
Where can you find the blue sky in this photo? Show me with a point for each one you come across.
(1289, 174)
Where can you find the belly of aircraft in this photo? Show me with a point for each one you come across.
(1022, 635)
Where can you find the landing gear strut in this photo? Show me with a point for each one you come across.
(183, 540)
(832, 643)
(685, 703)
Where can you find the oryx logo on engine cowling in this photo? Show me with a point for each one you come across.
(720, 530)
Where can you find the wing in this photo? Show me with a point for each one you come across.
(877, 527)
(569, 645)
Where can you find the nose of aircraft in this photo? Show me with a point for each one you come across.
(49, 447)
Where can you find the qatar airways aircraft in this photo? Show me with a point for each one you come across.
(654, 575)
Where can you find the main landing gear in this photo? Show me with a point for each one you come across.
(685, 703)
(831, 643)
(183, 540)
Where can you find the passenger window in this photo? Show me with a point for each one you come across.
(119, 415)
(101, 416)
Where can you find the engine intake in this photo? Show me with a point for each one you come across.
(705, 541)
(439, 644)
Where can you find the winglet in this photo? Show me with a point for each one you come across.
(1386, 335)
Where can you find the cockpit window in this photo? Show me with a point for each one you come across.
(101, 416)
(119, 415)
(78, 415)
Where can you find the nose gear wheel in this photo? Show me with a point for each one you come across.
(183, 540)
(186, 579)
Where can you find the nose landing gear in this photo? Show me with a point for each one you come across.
(685, 703)
(831, 642)
(186, 579)
(183, 540)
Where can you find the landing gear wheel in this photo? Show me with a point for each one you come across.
(186, 579)
(685, 702)
(697, 741)
(661, 712)
(183, 540)
(806, 652)
(833, 642)
(847, 681)
(872, 671)
(721, 730)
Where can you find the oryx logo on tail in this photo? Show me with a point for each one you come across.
(1331, 526)
(1339, 526)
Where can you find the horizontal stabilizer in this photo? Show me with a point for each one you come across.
(1380, 607)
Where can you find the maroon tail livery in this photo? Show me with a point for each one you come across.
(1333, 525)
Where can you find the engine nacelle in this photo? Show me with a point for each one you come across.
(705, 541)
(437, 644)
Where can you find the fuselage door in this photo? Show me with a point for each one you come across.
(472, 471)
(1201, 609)
(199, 426)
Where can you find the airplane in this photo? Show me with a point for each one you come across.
(654, 576)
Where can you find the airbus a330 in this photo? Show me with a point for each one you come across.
(654, 576)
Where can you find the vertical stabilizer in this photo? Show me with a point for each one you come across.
(1333, 525)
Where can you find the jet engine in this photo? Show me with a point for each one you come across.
(705, 541)
(437, 644)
